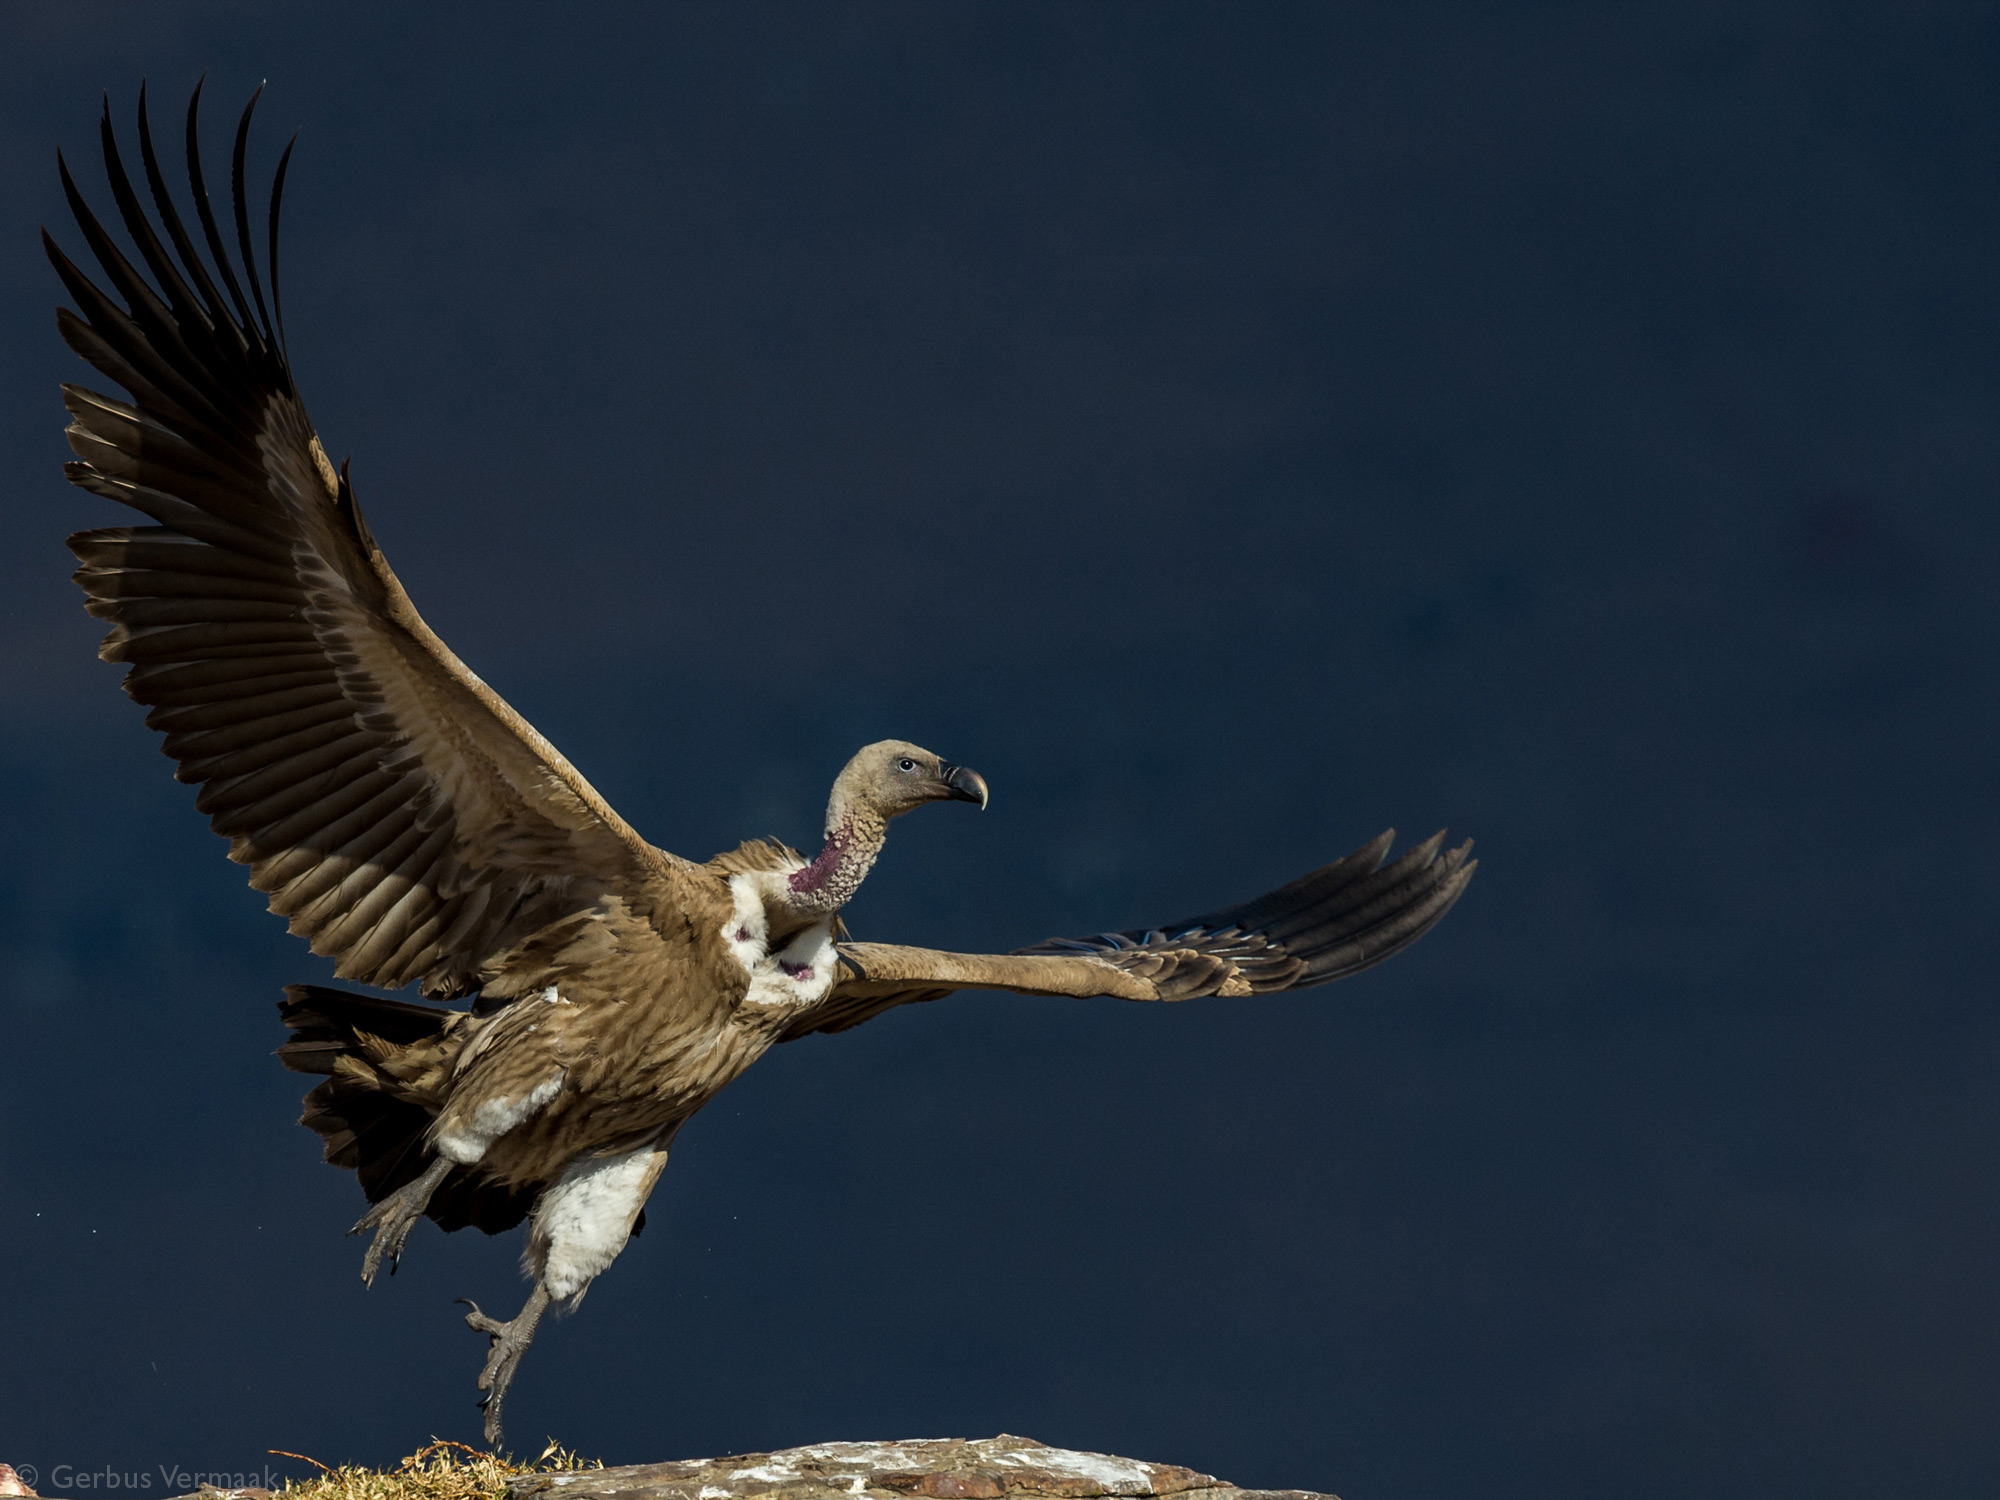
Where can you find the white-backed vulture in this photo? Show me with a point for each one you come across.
(415, 829)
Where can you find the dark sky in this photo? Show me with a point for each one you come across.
(1233, 429)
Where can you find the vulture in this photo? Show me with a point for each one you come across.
(582, 993)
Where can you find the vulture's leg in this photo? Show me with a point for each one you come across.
(394, 1217)
(581, 1221)
(510, 1342)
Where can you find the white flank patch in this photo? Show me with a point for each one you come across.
(584, 1220)
(493, 1119)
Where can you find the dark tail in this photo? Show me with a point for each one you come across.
(369, 1127)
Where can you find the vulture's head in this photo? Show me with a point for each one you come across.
(891, 777)
(883, 781)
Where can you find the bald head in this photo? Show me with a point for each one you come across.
(890, 777)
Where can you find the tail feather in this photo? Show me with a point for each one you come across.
(367, 1125)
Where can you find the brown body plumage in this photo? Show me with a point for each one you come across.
(411, 826)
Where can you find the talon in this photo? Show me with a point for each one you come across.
(510, 1341)
(394, 1217)
(479, 1322)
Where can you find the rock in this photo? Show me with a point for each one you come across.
(993, 1468)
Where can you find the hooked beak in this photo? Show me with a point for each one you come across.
(964, 785)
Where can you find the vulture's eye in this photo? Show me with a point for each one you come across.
(906, 764)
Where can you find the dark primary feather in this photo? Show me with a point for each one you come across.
(1337, 921)
(398, 814)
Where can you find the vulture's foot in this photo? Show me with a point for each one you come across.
(395, 1216)
(510, 1342)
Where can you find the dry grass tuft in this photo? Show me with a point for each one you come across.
(442, 1471)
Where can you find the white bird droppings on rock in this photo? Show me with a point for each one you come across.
(997, 1468)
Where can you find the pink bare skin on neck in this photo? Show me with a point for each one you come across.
(816, 874)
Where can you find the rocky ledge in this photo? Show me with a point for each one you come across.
(997, 1468)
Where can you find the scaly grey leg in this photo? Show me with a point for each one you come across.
(510, 1342)
(394, 1217)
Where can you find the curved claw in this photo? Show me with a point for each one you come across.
(392, 1232)
(478, 1321)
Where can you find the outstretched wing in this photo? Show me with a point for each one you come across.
(405, 820)
(1334, 922)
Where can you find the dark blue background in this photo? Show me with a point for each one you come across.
(1232, 429)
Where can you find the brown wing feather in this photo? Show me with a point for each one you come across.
(1336, 921)
(401, 816)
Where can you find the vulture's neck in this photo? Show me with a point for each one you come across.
(854, 837)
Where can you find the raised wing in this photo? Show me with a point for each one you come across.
(405, 820)
(1334, 922)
